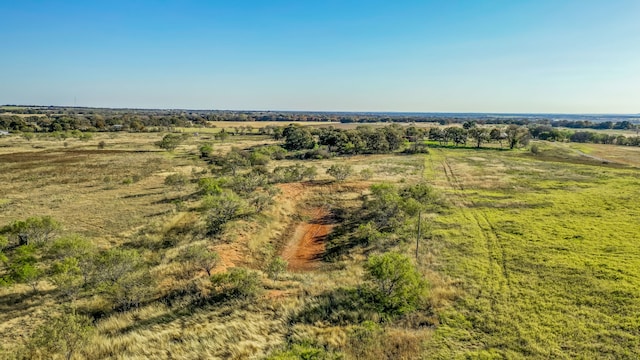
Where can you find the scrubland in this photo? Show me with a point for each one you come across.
(522, 255)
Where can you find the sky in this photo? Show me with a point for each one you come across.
(499, 56)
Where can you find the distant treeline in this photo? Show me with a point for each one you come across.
(49, 119)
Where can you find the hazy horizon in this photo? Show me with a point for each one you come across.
(495, 57)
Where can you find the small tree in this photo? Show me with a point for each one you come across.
(480, 135)
(34, 230)
(223, 208)
(23, 266)
(79, 248)
(131, 290)
(340, 171)
(65, 334)
(206, 150)
(395, 282)
(222, 135)
(517, 135)
(170, 141)
(200, 257)
(67, 276)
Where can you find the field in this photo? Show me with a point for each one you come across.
(534, 257)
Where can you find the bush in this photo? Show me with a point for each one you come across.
(206, 151)
(67, 276)
(210, 186)
(340, 171)
(304, 350)
(177, 180)
(535, 150)
(61, 335)
(276, 266)
(395, 282)
(366, 174)
(34, 230)
(223, 208)
(237, 283)
(171, 141)
(199, 257)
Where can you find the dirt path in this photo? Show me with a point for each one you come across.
(304, 249)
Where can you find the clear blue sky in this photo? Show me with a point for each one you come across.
(580, 56)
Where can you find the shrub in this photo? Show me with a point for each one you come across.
(210, 186)
(223, 208)
(170, 141)
(340, 171)
(304, 350)
(276, 266)
(199, 257)
(206, 151)
(67, 276)
(535, 150)
(366, 174)
(60, 335)
(34, 230)
(131, 290)
(395, 282)
(237, 283)
(177, 180)
(23, 266)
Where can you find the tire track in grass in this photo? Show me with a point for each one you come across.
(498, 280)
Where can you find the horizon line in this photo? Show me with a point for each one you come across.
(325, 111)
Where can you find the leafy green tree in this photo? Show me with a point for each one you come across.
(332, 138)
(79, 248)
(223, 208)
(233, 160)
(395, 282)
(114, 264)
(375, 139)
(199, 257)
(171, 141)
(394, 136)
(456, 134)
(34, 230)
(23, 266)
(132, 289)
(497, 135)
(517, 135)
(480, 135)
(64, 335)
(222, 135)
(298, 138)
(340, 171)
(66, 275)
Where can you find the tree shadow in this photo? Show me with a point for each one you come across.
(342, 306)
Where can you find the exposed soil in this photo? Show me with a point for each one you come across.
(305, 248)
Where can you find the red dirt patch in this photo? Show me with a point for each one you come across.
(306, 246)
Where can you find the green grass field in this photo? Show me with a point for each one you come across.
(546, 253)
